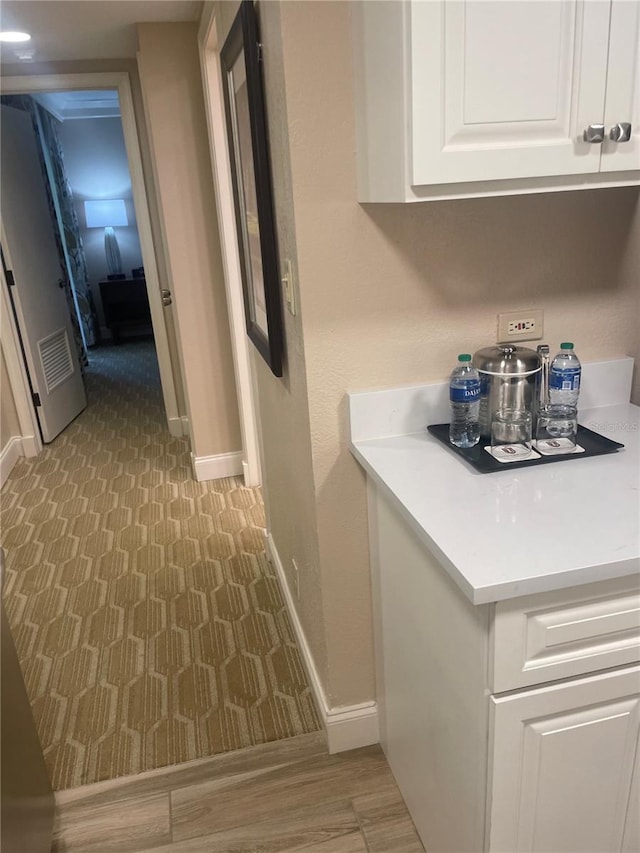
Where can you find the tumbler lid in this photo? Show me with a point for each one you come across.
(507, 360)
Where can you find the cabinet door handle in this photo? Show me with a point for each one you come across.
(594, 133)
(620, 132)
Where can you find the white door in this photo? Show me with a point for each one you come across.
(506, 89)
(32, 256)
(565, 767)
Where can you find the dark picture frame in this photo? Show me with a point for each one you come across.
(241, 60)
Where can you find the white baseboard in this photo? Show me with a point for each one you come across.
(346, 726)
(251, 478)
(351, 726)
(11, 452)
(216, 467)
(178, 426)
(30, 446)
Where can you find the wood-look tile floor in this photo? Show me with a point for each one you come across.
(280, 797)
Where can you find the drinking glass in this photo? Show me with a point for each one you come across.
(556, 429)
(511, 434)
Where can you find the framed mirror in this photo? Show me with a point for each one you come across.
(241, 60)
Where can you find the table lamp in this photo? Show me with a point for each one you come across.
(108, 214)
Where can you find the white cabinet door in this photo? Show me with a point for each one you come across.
(622, 103)
(564, 760)
(505, 90)
(461, 98)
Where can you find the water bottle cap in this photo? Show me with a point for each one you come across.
(566, 346)
(464, 356)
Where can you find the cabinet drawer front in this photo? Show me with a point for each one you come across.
(565, 633)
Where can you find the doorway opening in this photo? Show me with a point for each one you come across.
(141, 311)
(83, 157)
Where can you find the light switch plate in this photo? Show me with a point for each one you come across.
(288, 285)
(527, 325)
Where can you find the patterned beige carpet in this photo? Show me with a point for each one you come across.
(148, 621)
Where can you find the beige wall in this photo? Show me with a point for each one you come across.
(630, 272)
(287, 467)
(170, 78)
(283, 404)
(9, 423)
(388, 295)
(283, 412)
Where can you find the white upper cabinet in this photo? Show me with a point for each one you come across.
(491, 97)
(622, 99)
(496, 96)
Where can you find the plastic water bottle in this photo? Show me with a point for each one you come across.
(464, 394)
(564, 377)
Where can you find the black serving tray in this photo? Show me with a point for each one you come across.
(593, 443)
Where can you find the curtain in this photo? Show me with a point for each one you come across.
(50, 140)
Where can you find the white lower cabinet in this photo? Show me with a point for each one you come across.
(511, 727)
(564, 759)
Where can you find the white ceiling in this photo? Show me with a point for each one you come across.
(82, 104)
(85, 29)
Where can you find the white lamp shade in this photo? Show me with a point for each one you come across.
(105, 213)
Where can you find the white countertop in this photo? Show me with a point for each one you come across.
(524, 530)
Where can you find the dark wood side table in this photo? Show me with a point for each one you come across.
(125, 304)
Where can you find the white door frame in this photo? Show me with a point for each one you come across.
(118, 80)
(221, 164)
(16, 367)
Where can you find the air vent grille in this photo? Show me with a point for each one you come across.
(55, 356)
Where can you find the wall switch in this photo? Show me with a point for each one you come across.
(527, 325)
(296, 579)
(288, 286)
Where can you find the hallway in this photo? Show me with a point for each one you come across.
(149, 624)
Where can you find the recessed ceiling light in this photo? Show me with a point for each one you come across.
(14, 36)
